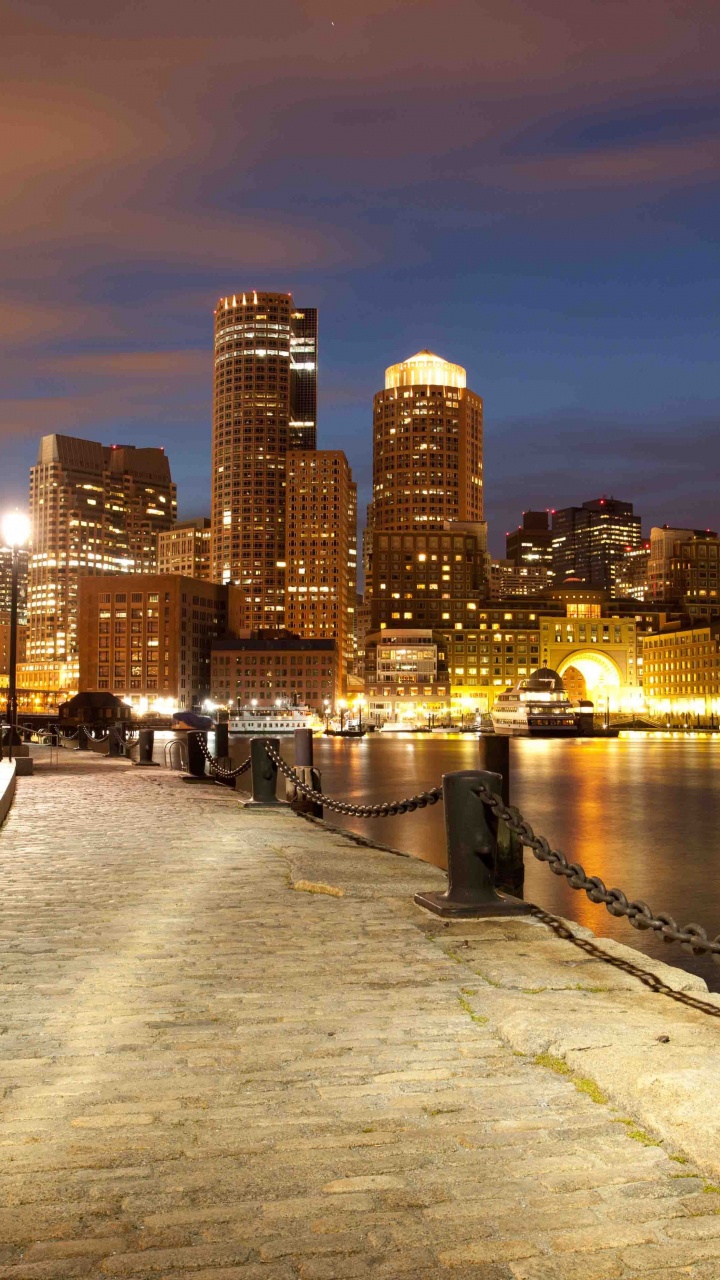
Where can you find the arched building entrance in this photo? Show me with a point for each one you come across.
(589, 673)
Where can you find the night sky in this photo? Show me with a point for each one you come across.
(529, 189)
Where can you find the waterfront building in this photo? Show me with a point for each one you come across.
(147, 637)
(266, 666)
(5, 642)
(508, 578)
(185, 549)
(94, 510)
(589, 540)
(321, 550)
(406, 676)
(631, 573)
(531, 543)
(682, 669)
(684, 566)
(432, 579)
(23, 565)
(427, 447)
(265, 379)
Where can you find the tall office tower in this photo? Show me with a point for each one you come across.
(23, 561)
(256, 393)
(588, 541)
(94, 510)
(532, 542)
(186, 549)
(303, 379)
(427, 448)
(322, 549)
(631, 573)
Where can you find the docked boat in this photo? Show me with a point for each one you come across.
(253, 722)
(537, 707)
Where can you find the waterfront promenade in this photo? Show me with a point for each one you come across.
(232, 1048)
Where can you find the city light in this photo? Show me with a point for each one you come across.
(15, 529)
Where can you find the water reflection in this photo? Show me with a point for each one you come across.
(642, 811)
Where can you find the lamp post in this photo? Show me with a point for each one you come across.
(326, 711)
(15, 532)
(342, 704)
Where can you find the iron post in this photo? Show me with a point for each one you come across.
(146, 746)
(494, 750)
(264, 772)
(472, 852)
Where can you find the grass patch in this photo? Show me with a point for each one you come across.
(532, 991)
(711, 1189)
(582, 1083)
(681, 1160)
(479, 1018)
(553, 1064)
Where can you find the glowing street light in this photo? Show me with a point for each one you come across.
(15, 533)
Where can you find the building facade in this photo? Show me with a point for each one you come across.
(94, 510)
(147, 637)
(431, 579)
(185, 549)
(265, 379)
(321, 550)
(427, 447)
(684, 567)
(531, 543)
(588, 541)
(23, 568)
(682, 670)
(508, 578)
(406, 676)
(631, 574)
(267, 668)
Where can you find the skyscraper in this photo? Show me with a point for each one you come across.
(264, 402)
(23, 563)
(186, 549)
(532, 542)
(427, 447)
(588, 541)
(322, 549)
(94, 510)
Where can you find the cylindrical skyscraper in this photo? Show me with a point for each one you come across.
(427, 447)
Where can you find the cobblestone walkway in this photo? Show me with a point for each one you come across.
(208, 1071)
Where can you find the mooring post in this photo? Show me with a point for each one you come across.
(472, 852)
(196, 755)
(146, 746)
(495, 757)
(308, 773)
(264, 772)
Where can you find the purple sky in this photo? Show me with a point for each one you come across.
(530, 189)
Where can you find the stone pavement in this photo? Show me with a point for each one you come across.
(212, 1068)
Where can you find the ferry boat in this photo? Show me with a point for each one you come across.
(253, 722)
(537, 707)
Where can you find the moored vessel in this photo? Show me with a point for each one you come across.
(538, 707)
(255, 721)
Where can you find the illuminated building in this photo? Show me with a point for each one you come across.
(23, 563)
(431, 579)
(684, 566)
(5, 642)
(264, 403)
(321, 549)
(94, 510)
(631, 573)
(531, 543)
(589, 540)
(266, 666)
(406, 675)
(147, 637)
(185, 549)
(682, 669)
(427, 448)
(508, 578)
(598, 654)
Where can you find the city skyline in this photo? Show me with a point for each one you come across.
(545, 219)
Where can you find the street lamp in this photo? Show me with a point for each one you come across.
(15, 532)
(326, 709)
(342, 704)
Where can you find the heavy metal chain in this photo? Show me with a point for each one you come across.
(693, 937)
(214, 766)
(387, 810)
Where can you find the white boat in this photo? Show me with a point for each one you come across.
(398, 726)
(537, 707)
(253, 722)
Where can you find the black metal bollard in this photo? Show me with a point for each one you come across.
(222, 740)
(309, 775)
(146, 746)
(510, 866)
(303, 747)
(471, 852)
(264, 772)
(82, 740)
(196, 755)
(116, 747)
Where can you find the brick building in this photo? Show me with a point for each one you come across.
(264, 666)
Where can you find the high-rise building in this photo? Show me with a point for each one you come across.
(94, 509)
(589, 540)
(23, 566)
(425, 579)
(186, 549)
(303, 379)
(427, 447)
(631, 573)
(532, 542)
(265, 379)
(321, 571)
(684, 565)
(508, 578)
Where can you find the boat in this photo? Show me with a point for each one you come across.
(191, 720)
(538, 707)
(253, 722)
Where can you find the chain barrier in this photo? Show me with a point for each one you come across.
(387, 810)
(214, 766)
(693, 938)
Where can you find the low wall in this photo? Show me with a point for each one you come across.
(7, 787)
